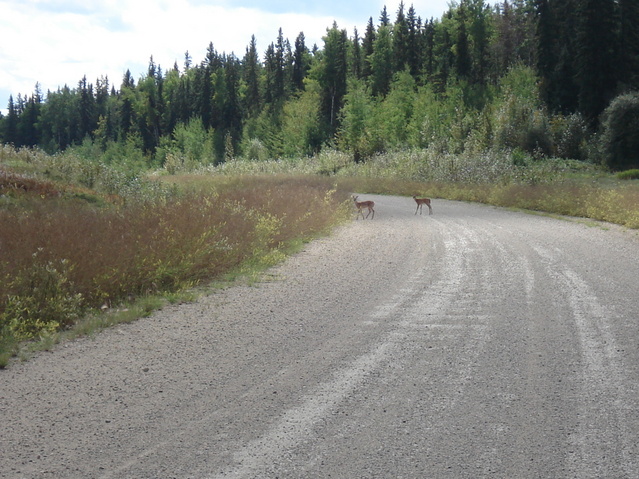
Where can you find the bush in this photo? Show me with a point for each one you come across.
(620, 133)
(44, 301)
(570, 135)
(629, 174)
(255, 150)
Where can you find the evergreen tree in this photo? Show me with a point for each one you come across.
(367, 48)
(28, 122)
(428, 42)
(629, 44)
(127, 117)
(270, 75)
(565, 87)
(251, 73)
(443, 51)
(204, 90)
(148, 109)
(332, 77)
(414, 52)
(596, 56)
(301, 63)
(556, 51)
(382, 62)
(384, 19)
(356, 56)
(280, 67)
(231, 111)
(86, 109)
(480, 31)
(462, 50)
(101, 96)
(508, 46)
(400, 36)
(11, 124)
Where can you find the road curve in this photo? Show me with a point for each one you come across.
(476, 342)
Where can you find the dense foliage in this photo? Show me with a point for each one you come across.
(530, 75)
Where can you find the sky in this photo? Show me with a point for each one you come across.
(58, 42)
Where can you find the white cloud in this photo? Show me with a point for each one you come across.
(57, 43)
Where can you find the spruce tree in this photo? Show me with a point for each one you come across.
(251, 74)
(382, 62)
(596, 56)
(356, 56)
(414, 59)
(86, 109)
(629, 44)
(463, 63)
(400, 40)
(333, 75)
(10, 133)
(301, 63)
(428, 42)
(384, 20)
(368, 47)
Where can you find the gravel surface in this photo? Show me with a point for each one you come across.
(473, 343)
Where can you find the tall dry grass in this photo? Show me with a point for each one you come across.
(61, 256)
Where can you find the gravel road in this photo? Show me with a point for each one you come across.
(474, 343)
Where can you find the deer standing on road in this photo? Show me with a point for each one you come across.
(360, 205)
(421, 202)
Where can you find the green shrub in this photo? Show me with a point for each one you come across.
(629, 174)
(44, 301)
(570, 135)
(620, 133)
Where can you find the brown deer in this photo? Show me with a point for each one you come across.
(360, 205)
(421, 202)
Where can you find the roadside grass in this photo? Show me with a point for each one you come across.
(67, 260)
(108, 247)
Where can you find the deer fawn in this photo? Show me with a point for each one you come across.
(421, 202)
(364, 204)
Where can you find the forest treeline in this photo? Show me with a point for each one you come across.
(546, 77)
